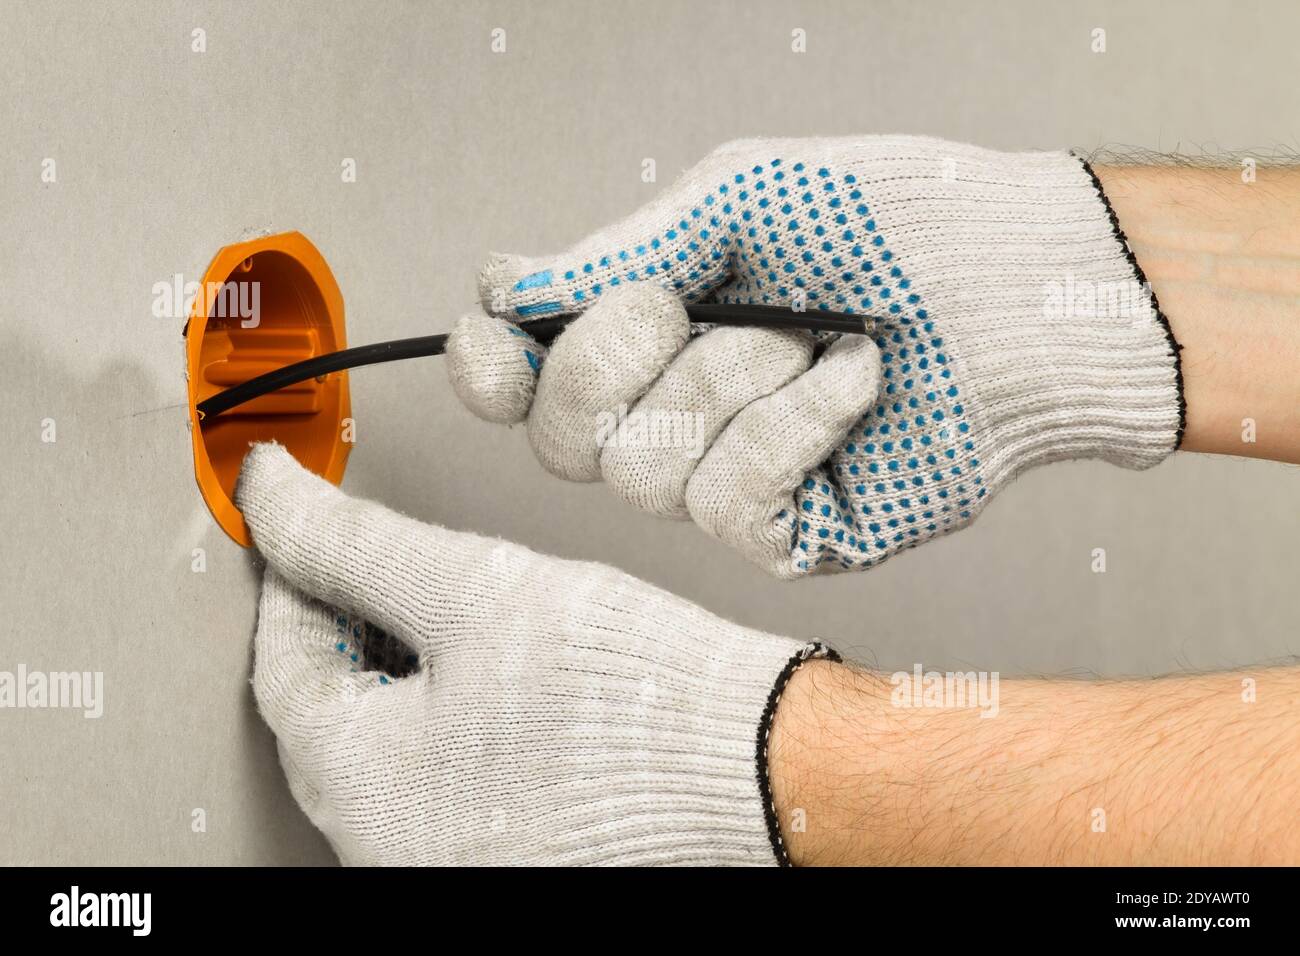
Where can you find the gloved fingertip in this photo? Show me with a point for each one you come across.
(855, 361)
(266, 465)
(275, 494)
(493, 367)
(493, 281)
(517, 287)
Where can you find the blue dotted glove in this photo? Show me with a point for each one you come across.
(1013, 328)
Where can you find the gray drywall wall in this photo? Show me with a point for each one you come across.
(164, 154)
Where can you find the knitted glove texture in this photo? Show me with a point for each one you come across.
(1014, 328)
(554, 712)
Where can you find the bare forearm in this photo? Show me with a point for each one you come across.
(1223, 258)
(1182, 770)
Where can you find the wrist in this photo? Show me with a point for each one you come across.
(818, 770)
(860, 777)
(1069, 772)
(1222, 256)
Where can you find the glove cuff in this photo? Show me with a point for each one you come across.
(695, 739)
(1036, 301)
(1087, 368)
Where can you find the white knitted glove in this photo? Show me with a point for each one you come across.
(557, 712)
(1014, 328)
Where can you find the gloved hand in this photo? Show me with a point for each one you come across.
(558, 712)
(1014, 329)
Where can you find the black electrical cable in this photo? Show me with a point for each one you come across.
(543, 330)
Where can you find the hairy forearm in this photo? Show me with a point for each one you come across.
(1178, 770)
(1223, 258)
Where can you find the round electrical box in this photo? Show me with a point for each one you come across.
(263, 304)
